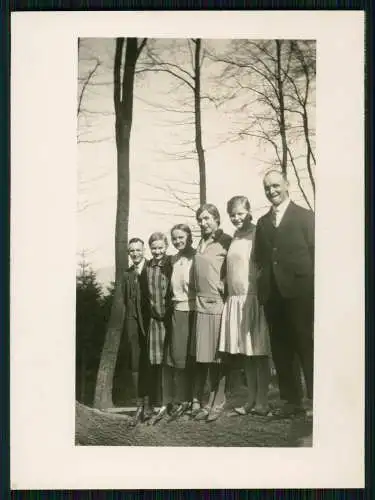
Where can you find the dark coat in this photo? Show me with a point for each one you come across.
(286, 251)
(135, 292)
(164, 292)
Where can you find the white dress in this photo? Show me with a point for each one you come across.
(243, 326)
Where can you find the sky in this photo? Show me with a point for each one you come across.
(157, 135)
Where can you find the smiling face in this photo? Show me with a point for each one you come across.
(240, 216)
(275, 188)
(158, 249)
(179, 239)
(207, 223)
(136, 252)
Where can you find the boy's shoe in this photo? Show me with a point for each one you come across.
(138, 417)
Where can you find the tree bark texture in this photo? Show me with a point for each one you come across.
(279, 78)
(198, 123)
(309, 152)
(123, 103)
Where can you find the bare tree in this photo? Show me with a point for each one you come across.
(123, 77)
(198, 121)
(181, 196)
(86, 79)
(88, 68)
(272, 79)
(162, 61)
(92, 76)
(300, 80)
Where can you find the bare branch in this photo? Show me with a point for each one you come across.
(141, 46)
(171, 214)
(94, 141)
(164, 107)
(94, 179)
(85, 84)
(169, 71)
(191, 52)
(181, 201)
(185, 182)
(298, 178)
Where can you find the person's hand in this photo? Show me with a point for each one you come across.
(221, 288)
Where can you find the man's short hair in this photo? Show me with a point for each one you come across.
(136, 240)
(276, 171)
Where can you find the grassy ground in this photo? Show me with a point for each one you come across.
(98, 428)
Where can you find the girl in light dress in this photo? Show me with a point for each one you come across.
(177, 361)
(244, 331)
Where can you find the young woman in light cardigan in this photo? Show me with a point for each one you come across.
(244, 331)
(177, 360)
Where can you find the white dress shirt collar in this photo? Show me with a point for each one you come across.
(280, 210)
(139, 267)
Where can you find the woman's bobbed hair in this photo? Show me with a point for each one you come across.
(211, 209)
(158, 236)
(186, 229)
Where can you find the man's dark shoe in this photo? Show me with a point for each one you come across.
(138, 417)
(289, 410)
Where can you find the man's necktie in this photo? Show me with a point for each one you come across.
(274, 218)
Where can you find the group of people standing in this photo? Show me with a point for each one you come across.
(243, 298)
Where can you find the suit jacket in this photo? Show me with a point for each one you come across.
(135, 292)
(287, 252)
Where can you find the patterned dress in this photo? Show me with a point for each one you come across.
(243, 327)
(159, 289)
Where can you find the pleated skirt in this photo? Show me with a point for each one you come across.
(244, 329)
(206, 335)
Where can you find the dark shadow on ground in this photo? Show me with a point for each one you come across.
(104, 429)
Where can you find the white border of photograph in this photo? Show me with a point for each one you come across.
(43, 260)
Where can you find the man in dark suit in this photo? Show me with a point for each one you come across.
(135, 333)
(284, 252)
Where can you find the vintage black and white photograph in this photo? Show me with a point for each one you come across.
(187, 250)
(195, 242)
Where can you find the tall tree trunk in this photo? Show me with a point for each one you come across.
(305, 119)
(309, 153)
(280, 96)
(198, 123)
(82, 376)
(299, 179)
(123, 100)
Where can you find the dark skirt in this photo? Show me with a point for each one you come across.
(178, 346)
(132, 344)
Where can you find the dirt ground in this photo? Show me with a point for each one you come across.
(94, 427)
